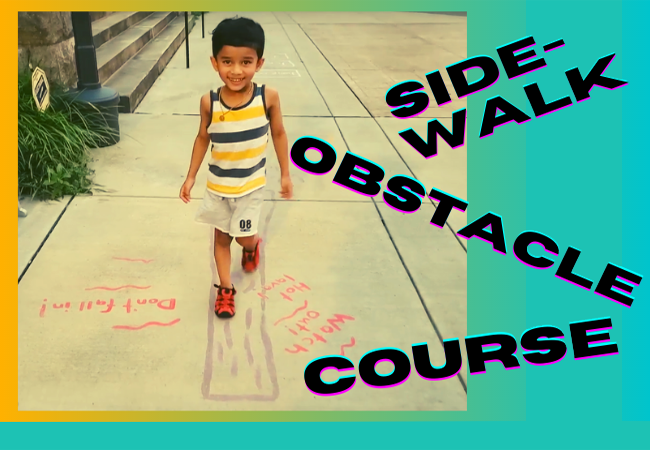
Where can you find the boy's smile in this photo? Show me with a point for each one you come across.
(237, 67)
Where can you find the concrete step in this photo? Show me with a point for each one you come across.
(96, 15)
(136, 77)
(116, 52)
(111, 26)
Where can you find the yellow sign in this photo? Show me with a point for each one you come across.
(40, 89)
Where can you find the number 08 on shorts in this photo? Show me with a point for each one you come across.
(238, 217)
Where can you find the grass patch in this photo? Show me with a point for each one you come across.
(53, 145)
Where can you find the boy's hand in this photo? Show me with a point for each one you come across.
(186, 189)
(287, 187)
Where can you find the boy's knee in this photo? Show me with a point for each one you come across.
(245, 241)
(223, 238)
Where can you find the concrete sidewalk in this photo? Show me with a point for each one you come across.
(115, 310)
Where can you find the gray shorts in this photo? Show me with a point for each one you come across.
(238, 217)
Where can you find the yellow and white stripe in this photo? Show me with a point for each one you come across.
(238, 156)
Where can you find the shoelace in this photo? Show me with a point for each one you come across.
(225, 304)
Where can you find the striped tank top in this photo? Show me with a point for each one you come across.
(238, 155)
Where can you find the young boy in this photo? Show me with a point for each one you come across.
(236, 119)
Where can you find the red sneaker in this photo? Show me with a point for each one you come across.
(250, 260)
(224, 307)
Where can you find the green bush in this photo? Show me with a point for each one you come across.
(53, 145)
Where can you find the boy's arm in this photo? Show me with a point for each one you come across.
(280, 142)
(200, 147)
(202, 140)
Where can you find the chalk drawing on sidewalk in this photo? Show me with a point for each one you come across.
(309, 334)
(344, 346)
(283, 294)
(280, 73)
(297, 321)
(301, 316)
(239, 362)
(127, 286)
(277, 64)
(257, 379)
(145, 325)
(146, 261)
(105, 306)
(111, 305)
(292, 314)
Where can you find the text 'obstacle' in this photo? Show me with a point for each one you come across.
(405, 194)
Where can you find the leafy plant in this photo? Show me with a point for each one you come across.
(53, 145)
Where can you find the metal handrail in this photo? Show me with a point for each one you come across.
(187, 36)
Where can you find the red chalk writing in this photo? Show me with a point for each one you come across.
(168, 304)
(300, 287)
(107, 306)
(315, 333)
(351, 344)
(61, 305)
(285, 294)
(146, 261)
(296, 349)
(89, 305)
(145, 325)
(107, 288)
(292, 314)
(272, 285)
(309, 326)
(43, 306)
(339, 318)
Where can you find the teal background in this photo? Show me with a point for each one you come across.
(636, 165)
(574, 191)
(580, 176)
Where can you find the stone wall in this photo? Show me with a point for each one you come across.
(45, 39)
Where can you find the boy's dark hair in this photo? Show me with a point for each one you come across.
(238, 32)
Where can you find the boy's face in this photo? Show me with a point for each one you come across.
(237, 66)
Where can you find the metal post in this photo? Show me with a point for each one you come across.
(187, 41)
(89, 89)
(203, 24)
(88, 76)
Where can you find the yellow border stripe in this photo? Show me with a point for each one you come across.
(238, 155)
(257, 182)
(238, 115)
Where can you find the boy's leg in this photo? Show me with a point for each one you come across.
(250, 257)
(224, 306)
(249, 242)
(222, 257)
(217, 212)
(244, 227)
